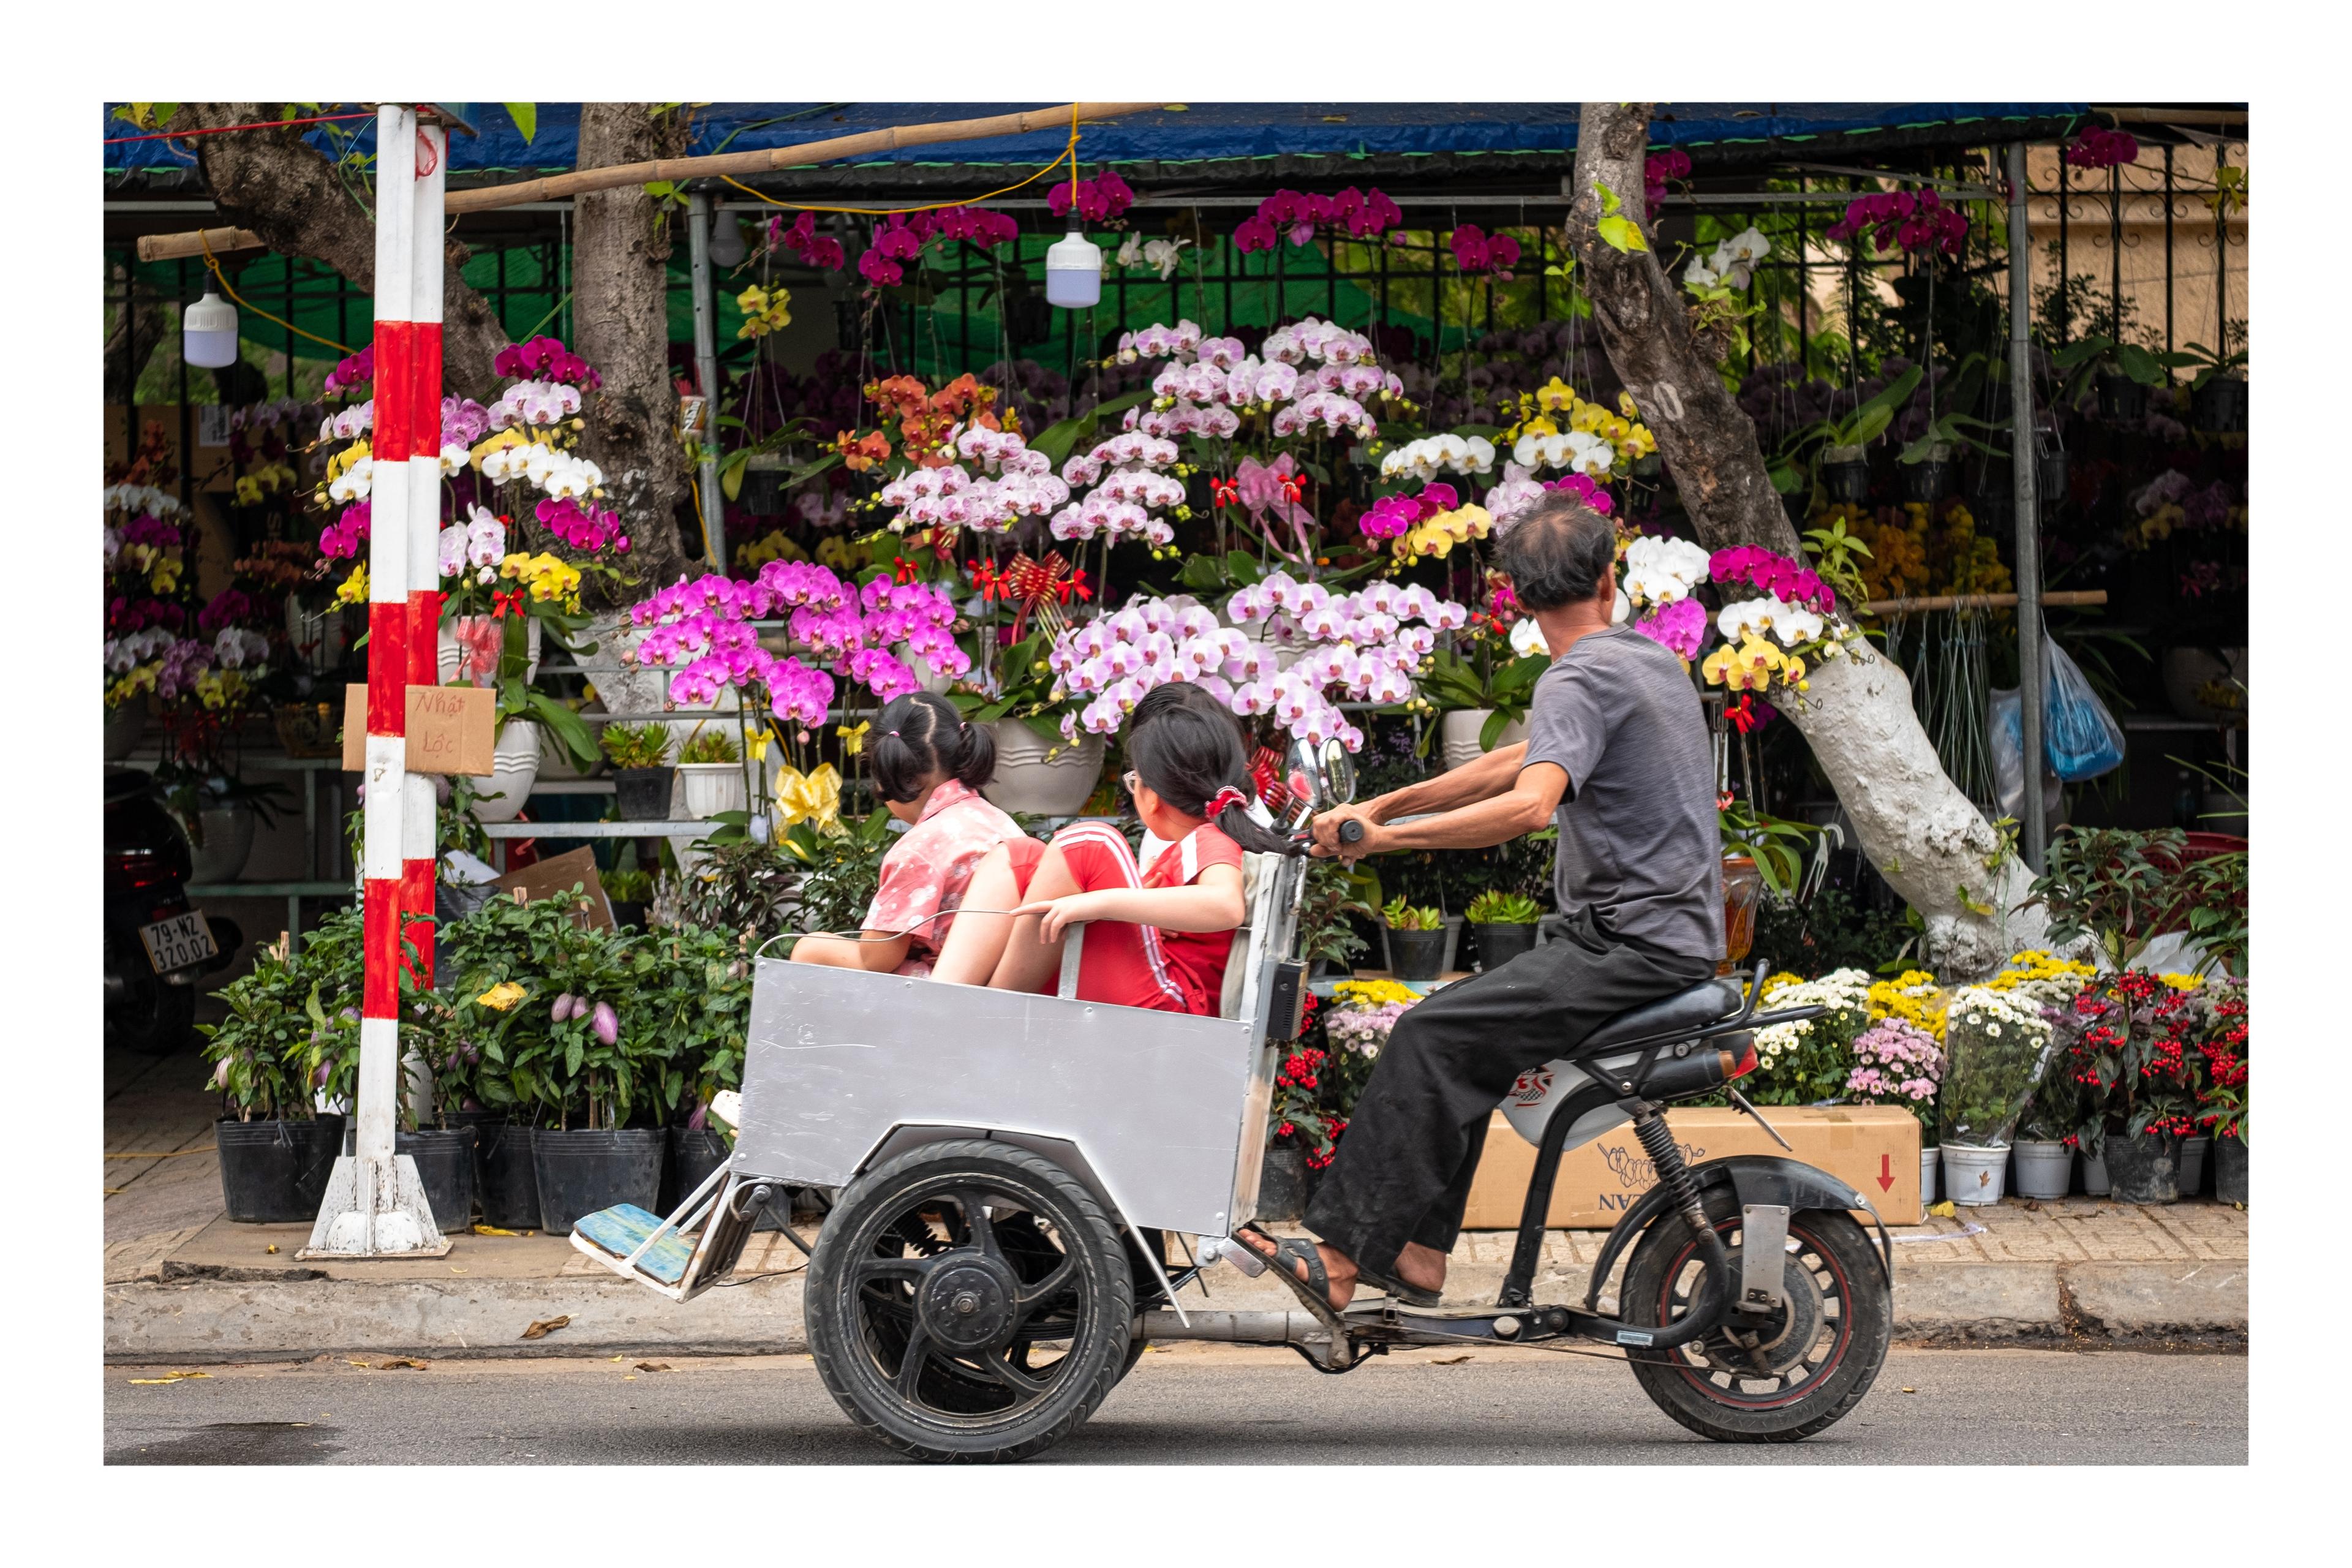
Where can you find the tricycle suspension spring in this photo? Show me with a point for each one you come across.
(1667, 1159)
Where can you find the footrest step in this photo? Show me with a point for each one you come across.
(621, 1229)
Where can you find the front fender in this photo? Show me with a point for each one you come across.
(1755, 1179)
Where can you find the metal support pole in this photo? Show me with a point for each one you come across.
(375, 1204)
(2022, 465)
(705, 377)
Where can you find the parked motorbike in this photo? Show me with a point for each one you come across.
(157, 945)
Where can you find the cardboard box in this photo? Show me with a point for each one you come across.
(559, 875)
(1876, 1147)
(451, 730)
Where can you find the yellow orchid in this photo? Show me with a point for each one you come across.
(509, 436)
(765, 310)
(1556, 394)
(548, 578)
(353, 589)
(1748, 668)
(166, 576)
(341, 461)
(502, 996)
(813, 797)
(773, 546)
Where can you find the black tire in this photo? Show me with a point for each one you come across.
(1832, 1336)
(148, 1017)
(925, 1325)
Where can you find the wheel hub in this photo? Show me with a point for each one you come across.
(1780, 1337)
(966, 1304)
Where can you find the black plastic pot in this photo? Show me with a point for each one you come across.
(2122, 399)
(2050, 480)
(510, 1186)
(629, 913)
(445, 1163)
(2220, 405)
(693, 1155)
(1416, 954)
(643, 793)
(2146, 1169)
(763, 494)
(1927, 480)
(1846, 481)
(481, 1123)
(1498, 944)
(1282, 1183)
(583, 1172)
(2230, 1170)
(275, 1172)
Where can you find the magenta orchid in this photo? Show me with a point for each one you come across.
(1295, 216)
(1474, 250)
(1679, 627)
(545, 359)
(1773, 573)
(1674, 164)
(822, 252)
(1104, 198)
(2099, 147)
(1900, 220)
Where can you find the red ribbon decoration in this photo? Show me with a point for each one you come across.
(504, 600)
(1293, 488)
(1742, 713)
(1225, 491)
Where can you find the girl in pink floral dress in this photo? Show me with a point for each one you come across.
(928, 765)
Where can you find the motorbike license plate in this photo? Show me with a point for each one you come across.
(177, 942)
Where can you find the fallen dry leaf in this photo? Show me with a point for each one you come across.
(494, 1230)
(360, 1365)
(629, 1377)
(271, 1248)
(1910, 1391)
(401, 1361)
(171, 1377)
(653, 1367)
(1449, 1360)
(616, 1358)
(543, 1327)
(457, 1271)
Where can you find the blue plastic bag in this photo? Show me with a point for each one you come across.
(2080, 737)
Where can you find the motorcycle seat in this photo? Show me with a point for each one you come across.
(1687, 1011)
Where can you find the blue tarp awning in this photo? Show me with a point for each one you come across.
(1201, 133)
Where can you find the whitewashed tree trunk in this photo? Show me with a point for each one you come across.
(1924, 836)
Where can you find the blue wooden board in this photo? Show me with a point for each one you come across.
(623, 1229)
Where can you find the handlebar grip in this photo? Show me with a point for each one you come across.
(1351, 831)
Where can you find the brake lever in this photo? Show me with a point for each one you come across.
(1740, 1101)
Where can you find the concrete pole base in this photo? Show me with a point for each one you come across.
(375, 1208)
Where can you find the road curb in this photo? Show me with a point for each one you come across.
(219, 1319)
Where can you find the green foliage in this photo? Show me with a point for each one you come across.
(1401, 916)
(526, 120)
(1506, 686)
(844, 869)
(709, 746)
(743, 887)
(691, 1016)
(2121, 888)
(636, 745)
(629, 884)
(290, 1017)
(1776, 844)
(1828, 931)
(1996, 1046)
(1496, 908)
(1333, 898)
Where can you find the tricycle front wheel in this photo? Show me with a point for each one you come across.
(969, 1301)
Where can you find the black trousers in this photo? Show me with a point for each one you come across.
(1405, 1164)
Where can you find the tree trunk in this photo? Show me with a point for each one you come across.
(289, 194)
(1924, 836)
(621, 302)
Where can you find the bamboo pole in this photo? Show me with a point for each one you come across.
(581, 182)
(1979, 601)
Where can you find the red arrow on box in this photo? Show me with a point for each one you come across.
(1885, 1173)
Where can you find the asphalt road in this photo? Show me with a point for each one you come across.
(1185, 1404)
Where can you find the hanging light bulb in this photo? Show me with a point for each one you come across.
(726, 239)
(1074, 270)
(208, 331)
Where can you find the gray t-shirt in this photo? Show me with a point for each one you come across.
(1639, 842)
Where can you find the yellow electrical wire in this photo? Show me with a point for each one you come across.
(257, 309)
(1069, 155)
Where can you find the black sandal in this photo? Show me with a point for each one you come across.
(1315, 1289)
(1411, 1295)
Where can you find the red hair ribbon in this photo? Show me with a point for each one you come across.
(1219, 801)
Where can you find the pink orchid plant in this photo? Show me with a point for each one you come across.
(1098, 200)
(1295, 216)
(822, 252)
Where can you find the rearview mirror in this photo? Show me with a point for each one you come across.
(1319, 777)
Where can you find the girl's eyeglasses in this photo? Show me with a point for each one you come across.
(1130, 779)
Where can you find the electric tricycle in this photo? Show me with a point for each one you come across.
(1026, 1185)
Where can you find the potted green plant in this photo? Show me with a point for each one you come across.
(1332, 900)
(1505, 924)
(1843, 455)
(2217, 394)
(641, 772)
(1485, 699)
(1996, 1047)
(1039, 773)
(710, 769)
(627, 889)
(284, 1044)
(2149, 1055)
(1416, 940)
(2222, 1096)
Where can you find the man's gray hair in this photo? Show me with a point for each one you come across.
(1556, 551)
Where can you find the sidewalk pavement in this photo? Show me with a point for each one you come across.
(183, 1285)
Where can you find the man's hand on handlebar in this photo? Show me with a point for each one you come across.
(1346, 831)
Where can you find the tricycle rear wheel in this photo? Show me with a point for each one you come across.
(1810, 1360)
(969, 1301)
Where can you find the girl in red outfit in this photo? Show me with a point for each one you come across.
(1157, 936)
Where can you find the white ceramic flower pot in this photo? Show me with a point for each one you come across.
(514, 769)
(229, 841)
(1027, 783)
(470, 645)
(555, 760)
(1930, 1162)
(2044, 1170)
(1458, 734)
(2186, 670)
(1974, 1176)
(710, 788)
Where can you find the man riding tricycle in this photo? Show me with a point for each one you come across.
(1027, 1184)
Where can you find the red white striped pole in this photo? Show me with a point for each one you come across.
(374, 1204)
(419, 847)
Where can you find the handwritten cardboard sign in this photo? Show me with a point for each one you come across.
(451, 728)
